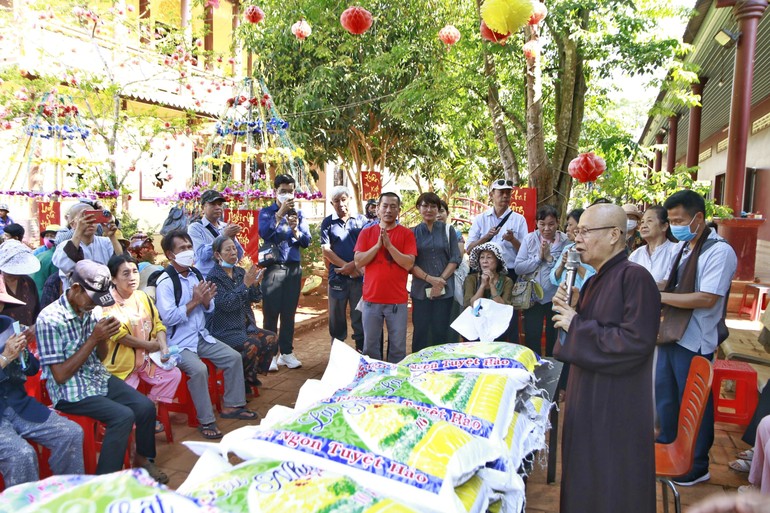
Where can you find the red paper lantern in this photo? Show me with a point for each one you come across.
(587, 167)
(301, 30)
(356, 20)
(539, 13)
(449, 35)
(531, 50)
(490, 35)
(253, 14)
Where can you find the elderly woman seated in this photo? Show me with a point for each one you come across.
(233, 320)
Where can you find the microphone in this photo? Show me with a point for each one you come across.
(572, 265)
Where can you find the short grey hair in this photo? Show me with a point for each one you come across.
(339, 191)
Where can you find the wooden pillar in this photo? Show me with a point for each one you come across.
(208, 39)
(673, 128)
(747, 13)
(144, 22)
(693, 132)
(658, 153)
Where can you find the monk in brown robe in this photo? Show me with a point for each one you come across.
(608, 451)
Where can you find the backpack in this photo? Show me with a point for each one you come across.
(157, 276)
(177, 219)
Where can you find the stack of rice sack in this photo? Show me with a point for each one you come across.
(445, 430)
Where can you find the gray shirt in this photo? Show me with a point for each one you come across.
(716, 267)
(435, 250)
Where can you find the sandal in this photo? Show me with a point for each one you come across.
(740, 466)
(155, 473)
(159, 427)
(747, 455)
(240, 414)
(210, 431)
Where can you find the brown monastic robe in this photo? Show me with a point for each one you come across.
(608, 452)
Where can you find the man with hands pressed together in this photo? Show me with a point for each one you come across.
(339, 233)
(611, 330)
(185, 321)
(509, 236)
(69, 340)
(209, 228)
(85, 244)
(386, 252)
(287, 230)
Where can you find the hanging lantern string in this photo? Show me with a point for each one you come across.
(344, 105)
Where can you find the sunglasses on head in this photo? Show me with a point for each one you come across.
(502, 182)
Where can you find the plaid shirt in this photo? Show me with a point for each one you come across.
(60, 333)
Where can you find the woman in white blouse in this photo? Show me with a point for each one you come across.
(658, 255)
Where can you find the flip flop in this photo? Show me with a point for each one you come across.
(210, 431)
(747, 455)
(740, 466)
(240, 414)
(155, 473)
(159, 427)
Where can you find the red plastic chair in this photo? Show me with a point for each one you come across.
(217, 384)
(676, 459)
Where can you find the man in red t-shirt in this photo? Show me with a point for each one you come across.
(386, 253)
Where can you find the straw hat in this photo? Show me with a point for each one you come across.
(16, 258)
(632, 210)
(494, 247)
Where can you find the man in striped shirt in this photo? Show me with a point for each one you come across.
(72, 341)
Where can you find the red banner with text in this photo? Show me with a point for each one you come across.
(48, 213)
(524, 202)
(371, 185)
(248, 220)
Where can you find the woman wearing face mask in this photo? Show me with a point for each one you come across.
(584, 271)
(658, 255)
(233, 320)
(537, 256)
(634, 239)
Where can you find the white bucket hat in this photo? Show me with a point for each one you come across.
(16, 258)
(495, 248)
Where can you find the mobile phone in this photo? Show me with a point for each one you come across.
(100, 216)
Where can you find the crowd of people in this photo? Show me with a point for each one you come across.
(106, 317)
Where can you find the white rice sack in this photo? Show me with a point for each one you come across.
(514, 360)
(480, 403)
(129, 491)
(512, 501)
(391, 449)
(346, 365)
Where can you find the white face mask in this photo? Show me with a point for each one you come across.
(185, 258)
(630, 225)
(284, 196)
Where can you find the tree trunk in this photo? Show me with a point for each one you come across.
(570, 106)
(541, 176)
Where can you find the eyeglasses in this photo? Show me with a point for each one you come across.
(585, 231)
(503, 182)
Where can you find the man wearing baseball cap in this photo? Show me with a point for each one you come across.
(72, 339)
(505, 227)
(5, 219)
(209, 228)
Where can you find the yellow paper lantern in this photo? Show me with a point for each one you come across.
(505, 16)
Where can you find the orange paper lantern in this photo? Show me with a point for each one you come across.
(587, 167)
(539, 13)
(301, 30)
(253, 14)
(490, 35)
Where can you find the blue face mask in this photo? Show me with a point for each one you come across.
(683, 233)
(227, 265)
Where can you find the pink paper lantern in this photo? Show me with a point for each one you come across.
(356, 20)
(587, 167)
(531, 50)
(449, 35)
(253, 14)
(301, 30)
(539, 13)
